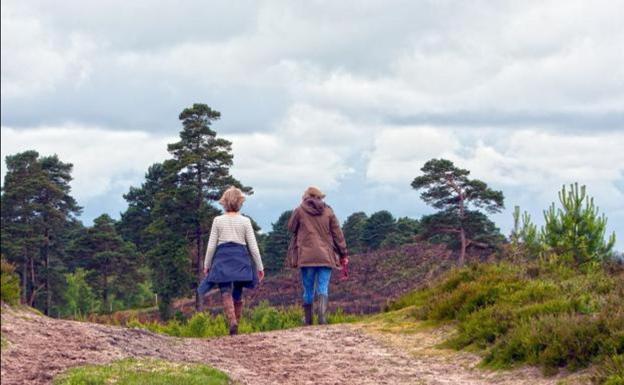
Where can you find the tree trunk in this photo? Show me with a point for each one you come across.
(33, 282)
(25, 279)
(198, 240)
(199, 264)
(46, 261)
(464, 244)
(105, 287)
(462, 232)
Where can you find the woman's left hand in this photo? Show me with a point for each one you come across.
(261, 275)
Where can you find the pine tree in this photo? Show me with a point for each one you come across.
(114, 264)
(58, 207)
(577, 229)
(20, 237)
(169, 216)
(276, 243)
(449, 189)
(524, 236)
(203, 164)
(405, 231)
(168, 237)
(377, 228)
(353, 229)
(134, 221)
(36, 209)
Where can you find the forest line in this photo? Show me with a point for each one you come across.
(68, 269)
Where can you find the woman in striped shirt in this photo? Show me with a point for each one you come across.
(233, 259)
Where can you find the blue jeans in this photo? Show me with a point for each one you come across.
(315, 278)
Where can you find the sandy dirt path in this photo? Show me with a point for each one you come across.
(41, 347)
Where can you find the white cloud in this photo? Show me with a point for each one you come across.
(537, 162)
(325, 84)
(308, 147)
(35, 59)
(104, 161)
(399, 153)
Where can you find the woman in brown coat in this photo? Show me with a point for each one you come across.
(317, 247)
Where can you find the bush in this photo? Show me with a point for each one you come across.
(10, 283)
(79, 297)
(543, 313)
(556, 340)
(259, 319)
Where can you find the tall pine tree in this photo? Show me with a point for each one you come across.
(203, 162)
(141, 200)
(169, 216)
(448, 188)
(113, 264)
(37, 209)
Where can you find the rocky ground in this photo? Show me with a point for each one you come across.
(40, 347)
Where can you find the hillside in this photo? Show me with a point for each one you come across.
(40, 347)
(375, 278)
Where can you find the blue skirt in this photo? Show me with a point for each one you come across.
(231, 263)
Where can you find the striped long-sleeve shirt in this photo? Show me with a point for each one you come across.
(233, 228)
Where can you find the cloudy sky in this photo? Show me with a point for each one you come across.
(351, 96)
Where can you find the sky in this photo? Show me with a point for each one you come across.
(350, 96)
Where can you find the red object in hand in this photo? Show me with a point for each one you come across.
(345, 269)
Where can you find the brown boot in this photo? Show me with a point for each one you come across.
(230, 314)
(307, 311)
(238, 310)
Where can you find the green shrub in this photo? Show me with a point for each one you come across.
(465, 292)
(543, 313)
(9, 283)
(483, 327)
(265, 317)
(556, 340)
(79, 297)
(340, 317)
(259, 319)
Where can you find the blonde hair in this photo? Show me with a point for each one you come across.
(232, 199)
(313, 192)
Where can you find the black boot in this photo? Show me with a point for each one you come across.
(307, 311)
(322, 309)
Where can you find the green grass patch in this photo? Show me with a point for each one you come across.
(141, 372)
(259, 319)
(9, 283)
(544, 314)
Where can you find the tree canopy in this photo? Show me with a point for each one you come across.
(353, 229)
(377, 228)
(37, 209)
(448, 188)
(276, 243)
(576, 229)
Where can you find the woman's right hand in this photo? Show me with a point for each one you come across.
(261, 275)
(206, 270)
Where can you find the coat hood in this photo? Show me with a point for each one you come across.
(313, 206)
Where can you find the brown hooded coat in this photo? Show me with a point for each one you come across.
(318, 238)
